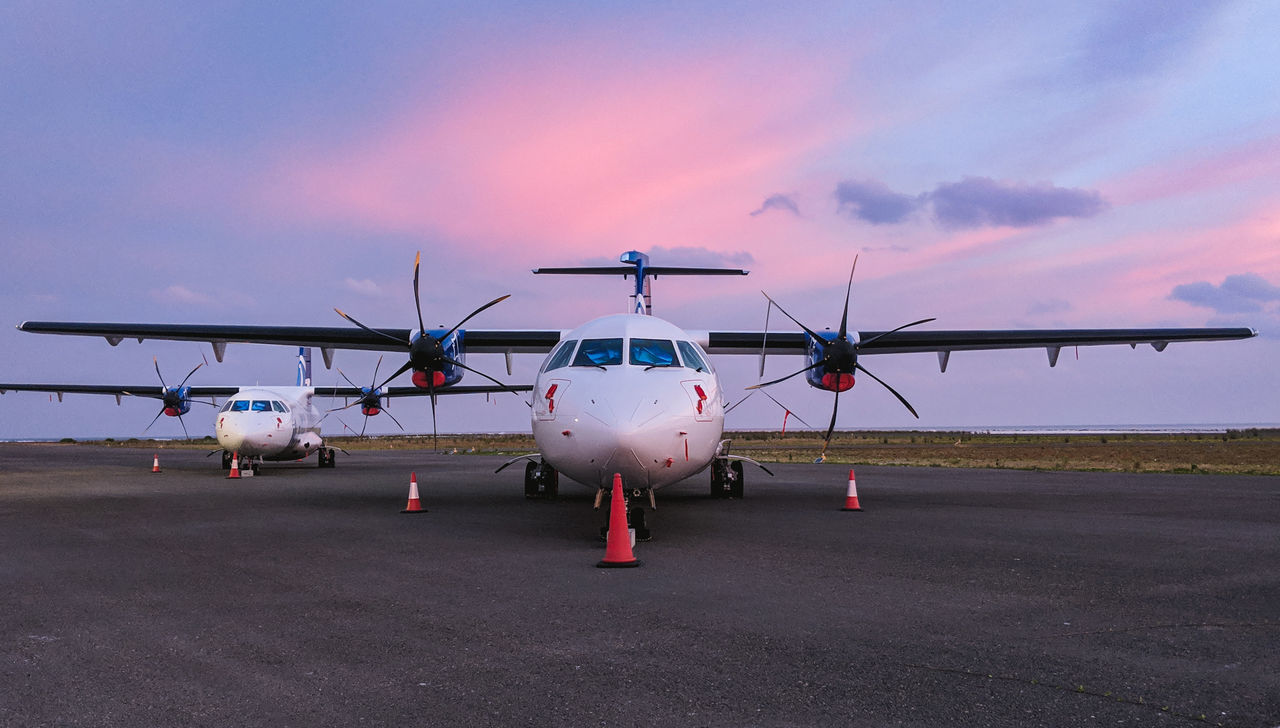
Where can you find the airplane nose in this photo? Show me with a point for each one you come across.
(253, 434)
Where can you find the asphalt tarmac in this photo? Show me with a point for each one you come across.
(303, 597)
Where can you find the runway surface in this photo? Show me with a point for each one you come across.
(303, 597)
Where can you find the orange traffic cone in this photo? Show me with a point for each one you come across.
(155, 464)
(851, 500)
(617, 549)
(235, 466)
(415, 505)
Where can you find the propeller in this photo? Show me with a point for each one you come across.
(171, 401)
(839, 360)
(427, 357)
(788, 412)
(370, 401)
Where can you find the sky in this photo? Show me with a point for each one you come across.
(991, 164)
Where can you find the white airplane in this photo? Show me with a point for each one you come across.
(257, 423)
(634, 394)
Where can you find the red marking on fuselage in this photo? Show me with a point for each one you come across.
(702, 397)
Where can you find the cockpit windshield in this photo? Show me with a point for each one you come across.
(653, 353)
(692, 358)
(561, 357)
(599, 353)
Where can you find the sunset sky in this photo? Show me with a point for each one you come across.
(995, 165)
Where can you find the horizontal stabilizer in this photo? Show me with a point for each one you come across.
(630, 270)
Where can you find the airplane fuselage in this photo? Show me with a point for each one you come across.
(629, 394)
(272, 423)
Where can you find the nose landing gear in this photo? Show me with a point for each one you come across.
(635, 514)
(726, 478)
(541, 481)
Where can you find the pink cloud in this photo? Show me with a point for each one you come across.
(626, 158)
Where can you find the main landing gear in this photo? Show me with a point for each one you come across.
(328, 457)
(541, 481)
(726, 478)
(635, 514)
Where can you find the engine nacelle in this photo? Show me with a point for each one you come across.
(444, 374)
(177, 401)
(837, 374)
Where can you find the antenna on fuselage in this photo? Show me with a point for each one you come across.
(636, 264)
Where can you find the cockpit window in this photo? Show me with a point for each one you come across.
(692, 358)
(598, 353)
(226, 405)
(260, 405)
(239, 405)
(561, 357)
(653, 353)
(278, 406)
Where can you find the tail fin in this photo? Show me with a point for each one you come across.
(304, 366)
(637, 264)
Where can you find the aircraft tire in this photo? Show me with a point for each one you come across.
(531, 480)
(736, 482)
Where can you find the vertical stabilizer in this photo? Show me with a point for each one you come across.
(304, 366)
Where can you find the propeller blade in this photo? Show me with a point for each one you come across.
(406, 367)
(764, 340)
(158, 374)
(788, 409)
(904, 326)
(153, 421)
(831, 428)
(417, 302)
(729, 409)
(844, 319)
(814, 365)
(193, 371)
(494, 302)
(892, 391)
(344, 407)
(486, 376)
(364, 425)
(372, 331)
(393, 419)
(344, 376)
(375, 373)
(807, 330)
(185, 434)
(435, 443)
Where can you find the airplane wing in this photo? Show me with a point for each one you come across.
(353, 393)
(945, 342)
(145, 390)
(322, 337)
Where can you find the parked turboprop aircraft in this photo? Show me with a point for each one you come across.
(260, 423)
(632, 393)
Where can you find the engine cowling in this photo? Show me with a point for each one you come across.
(836, 373)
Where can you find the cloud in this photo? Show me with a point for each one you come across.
(778, 202)
(363, 287)
(1052, 305)
(981, 202)
(1241, 293)
(973, 202)
(874, 202)
(181, 294)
